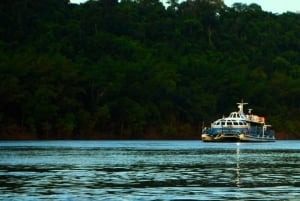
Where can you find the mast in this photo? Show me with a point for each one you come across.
(241, 106)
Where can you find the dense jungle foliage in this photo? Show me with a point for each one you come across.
(135, 69)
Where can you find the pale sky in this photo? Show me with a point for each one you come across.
(275, 6)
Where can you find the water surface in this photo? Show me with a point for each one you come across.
(149, 170)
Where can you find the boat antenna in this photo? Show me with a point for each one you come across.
(241, 106)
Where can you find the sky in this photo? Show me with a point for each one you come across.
(275, 6)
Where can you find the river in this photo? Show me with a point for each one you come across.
(149, 170)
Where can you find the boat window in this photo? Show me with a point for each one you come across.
(241, 123)
(235, 123)
(223, 123)
(229, 123)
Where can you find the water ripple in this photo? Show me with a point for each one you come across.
(167, 171)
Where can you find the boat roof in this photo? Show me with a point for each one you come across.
(240, 115)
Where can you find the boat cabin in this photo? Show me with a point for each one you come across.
(229, 122)
(237, 115)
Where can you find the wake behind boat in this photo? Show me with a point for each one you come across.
(239, 127)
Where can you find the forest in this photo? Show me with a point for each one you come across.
(141, 69)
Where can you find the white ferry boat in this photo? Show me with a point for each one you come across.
(239, 127)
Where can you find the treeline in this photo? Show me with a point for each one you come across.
(140, 69)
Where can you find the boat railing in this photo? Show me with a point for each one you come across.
(260, 131)
(270, 133)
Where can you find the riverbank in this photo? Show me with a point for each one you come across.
(104, 136)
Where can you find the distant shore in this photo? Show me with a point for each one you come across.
(101, 136)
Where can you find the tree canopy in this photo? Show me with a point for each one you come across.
(136, 69)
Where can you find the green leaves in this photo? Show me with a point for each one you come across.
(120, 69)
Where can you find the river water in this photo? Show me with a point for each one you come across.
(149, 170)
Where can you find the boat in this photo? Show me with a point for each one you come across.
(239, 127)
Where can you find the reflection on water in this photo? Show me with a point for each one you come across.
(238, 176)
(149, 170)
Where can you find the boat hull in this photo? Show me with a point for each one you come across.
(235, 138)
(248, 138)
(207, 138)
